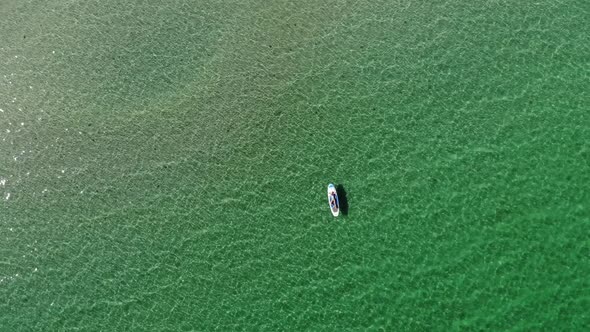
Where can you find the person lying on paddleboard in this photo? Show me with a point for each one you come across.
(333, 201)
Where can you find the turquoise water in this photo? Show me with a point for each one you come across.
(163, 165)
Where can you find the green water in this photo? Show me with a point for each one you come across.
(163, 165)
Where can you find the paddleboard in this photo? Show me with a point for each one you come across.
(333, 200)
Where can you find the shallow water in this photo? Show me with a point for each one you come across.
(163, 165)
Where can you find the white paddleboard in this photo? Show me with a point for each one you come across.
(333, 200)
